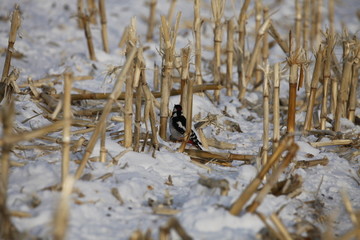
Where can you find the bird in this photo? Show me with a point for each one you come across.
(177, 126)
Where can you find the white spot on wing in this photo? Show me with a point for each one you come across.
(181, 126)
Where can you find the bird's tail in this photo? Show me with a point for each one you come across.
(195, 141)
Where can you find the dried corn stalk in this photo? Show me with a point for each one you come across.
(197, 32)
(354, 83)
(61, 218)
(326, 79)
(254, 56)
(112, 98)
(129, 89)
(276, 106)
(7, 229)
(149, 112)
(217, 7)
(151, 20)
(230, 56)
(171, 11)
(91, 8)
(298, 21)
(242, 24)
(306, 24)
(266, 119)
(189, 103)
(343, 94)
(314, 86)
(67, 126)
(15, 24)
(293, 78)
(169, 38)
(185, 62)
(104, 33)
(85, 20)
(273, 178)
(5, 88)
(240, 202)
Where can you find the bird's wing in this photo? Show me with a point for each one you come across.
(180, 124)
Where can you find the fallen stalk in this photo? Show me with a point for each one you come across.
(219, 156)
(332, 143)
(173, 92)
(311, 163)
(25, 136)
(239, 203)
(273, 178)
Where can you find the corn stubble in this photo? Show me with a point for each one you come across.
(330, 87)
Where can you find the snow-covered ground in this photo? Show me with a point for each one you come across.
(52, 43)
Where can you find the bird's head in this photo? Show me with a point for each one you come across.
(177, 109)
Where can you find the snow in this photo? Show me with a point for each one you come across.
(52, 43)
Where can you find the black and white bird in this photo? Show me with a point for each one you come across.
(177, 126)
